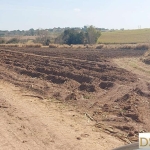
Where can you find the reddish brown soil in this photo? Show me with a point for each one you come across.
(116, 99)
(83, 54)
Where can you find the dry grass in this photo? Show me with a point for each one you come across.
(83, 46)
(32, 45)
(22, 45)
(142, 47)
(132, 46)
(126, 47)
(9, 45)
(100, 46)
(77, 46)
(64, 46)
(53, 46)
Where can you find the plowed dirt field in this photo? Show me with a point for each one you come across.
(98, 84)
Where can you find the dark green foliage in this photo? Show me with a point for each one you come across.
(31, 32)
(47, 42)
(73, 36)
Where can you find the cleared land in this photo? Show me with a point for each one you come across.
(125, 36)
(101, 85)
(29, 123)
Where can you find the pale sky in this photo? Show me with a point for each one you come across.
(112, 14)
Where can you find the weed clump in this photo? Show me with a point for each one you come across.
(99, 46)
(142, 47)
(53, 46)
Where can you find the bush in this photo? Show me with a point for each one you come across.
(99, 46)
(147, 60)
(127, 47)
(71, 36)
(142, 47)
(2, 41)
(47, 42)
(13, 40)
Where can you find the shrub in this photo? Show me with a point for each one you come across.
(99, 46)
(141, 47)
(147, 60)
(71, 36)
(47, 42)
(127, 47)
(2, 41)
(13, 40)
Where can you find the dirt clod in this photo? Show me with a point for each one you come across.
(106, 85)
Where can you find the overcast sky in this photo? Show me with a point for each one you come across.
(26, 14)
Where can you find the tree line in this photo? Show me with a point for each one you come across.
(72, 36)
(86, 35)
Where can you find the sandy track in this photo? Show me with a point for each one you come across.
(29, 123)
(135, 65)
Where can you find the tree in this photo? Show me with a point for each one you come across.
(92, 35)
(43, 37)
(31, 32)
(74, 36)
(47, 42)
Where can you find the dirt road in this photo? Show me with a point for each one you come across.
(28, 123)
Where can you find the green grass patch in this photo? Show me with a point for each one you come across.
(125, 37)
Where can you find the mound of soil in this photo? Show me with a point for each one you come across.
(123, 98)
(87, 87)
(141, 93)
(106, 85)
(71, 96)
